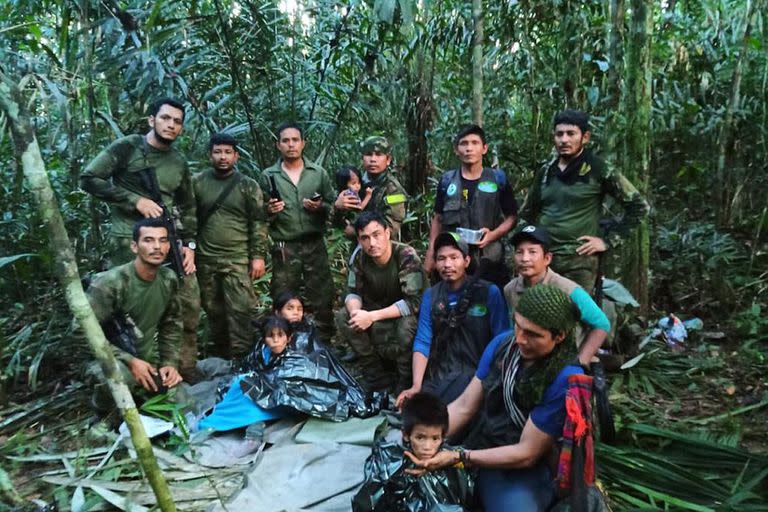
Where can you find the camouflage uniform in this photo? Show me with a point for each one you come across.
(388, 342)
(569, 204)
(299, 255)
(113, 177)
(233, 235)
(155, 309)
(389, 197)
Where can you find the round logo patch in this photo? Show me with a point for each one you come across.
(529, 229)
(478, 310)
(451, 189)
(487, 186)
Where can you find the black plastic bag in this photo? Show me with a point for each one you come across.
(389, 488)
(314, 383)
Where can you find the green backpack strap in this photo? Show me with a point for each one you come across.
(202, 217)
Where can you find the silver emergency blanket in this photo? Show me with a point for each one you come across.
(389, 488)
(314, 383)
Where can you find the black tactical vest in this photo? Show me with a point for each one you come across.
(493, 425)
(484, 211)
(459, 337)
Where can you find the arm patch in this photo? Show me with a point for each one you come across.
(394, 199)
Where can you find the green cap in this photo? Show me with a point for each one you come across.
(548, 307)
(376, 143)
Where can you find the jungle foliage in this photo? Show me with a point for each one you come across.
(687, 120)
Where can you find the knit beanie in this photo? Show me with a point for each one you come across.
(548, 307)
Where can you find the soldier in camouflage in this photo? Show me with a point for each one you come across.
(388, 196)
(113, 176)
(566, 198)
(385, 284)
(147, 292)
(296, 221)
(232, 246)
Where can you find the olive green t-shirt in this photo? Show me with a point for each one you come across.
(237, 230)
(152, 305)
(569, 203)
(400, 281)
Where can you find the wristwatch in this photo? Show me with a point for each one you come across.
(191, 245)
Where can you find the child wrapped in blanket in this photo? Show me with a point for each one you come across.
(290, 370)
(391, 481)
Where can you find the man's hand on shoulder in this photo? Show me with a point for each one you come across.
(360, 319)
(591, 245)
(148, 208)
(144, 373)
(170, 376)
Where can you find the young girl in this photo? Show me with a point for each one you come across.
(289, 369)
(276, 335)
(348, 181)
(289, 306)
(273, 336)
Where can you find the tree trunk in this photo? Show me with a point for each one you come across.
(571, 40)
(13, 105)
(477, 62)
(613, 111)
(418, 121)
(636, 254)
(724, 185)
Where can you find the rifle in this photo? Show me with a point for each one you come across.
(121, 331)
(149, 182)
(600, 383)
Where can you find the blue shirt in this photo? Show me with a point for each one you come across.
(498, 316)
(549, 414)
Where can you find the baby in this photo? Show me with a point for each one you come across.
(349, 182)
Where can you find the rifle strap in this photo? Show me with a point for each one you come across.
(202, 217)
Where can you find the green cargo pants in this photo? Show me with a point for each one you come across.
(580, 269)
(384, 350)
(302, 267)
(228, 298)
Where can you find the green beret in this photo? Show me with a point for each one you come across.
(548, 307)
(376, 143)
